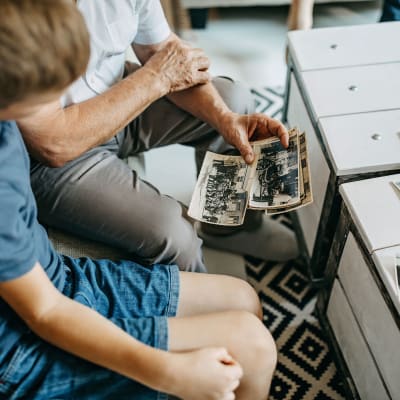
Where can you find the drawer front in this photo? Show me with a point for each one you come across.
(361, 143)
(354, 349)
(373, 316)
(383, 260)
(353, 90)
(344, 46)
(297, 116)
(374, 206)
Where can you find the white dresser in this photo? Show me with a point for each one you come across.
(359, 305)
(343, 89)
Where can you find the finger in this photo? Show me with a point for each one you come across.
(222, 355)
(228, 396)
(282, 134)
(245, 149)
(236, 371)
(202, 77)
(233, 385)
(202, 63)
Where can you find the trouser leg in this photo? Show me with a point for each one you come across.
(97, 196)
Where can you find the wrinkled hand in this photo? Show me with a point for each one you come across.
(206, 374)
(239, 130)
(180, 66)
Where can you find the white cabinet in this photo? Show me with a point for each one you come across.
(362, 265)
(344, 47)
(342, 89)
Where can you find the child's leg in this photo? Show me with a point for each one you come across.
(245, 338)
(203, 294)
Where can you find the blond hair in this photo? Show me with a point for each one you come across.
(44, 46)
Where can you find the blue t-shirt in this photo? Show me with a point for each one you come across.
(23, 241)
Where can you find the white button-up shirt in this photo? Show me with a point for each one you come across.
(113, 26)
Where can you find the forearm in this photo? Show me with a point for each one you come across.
(83, 332)
(204, 102)
(63, 134)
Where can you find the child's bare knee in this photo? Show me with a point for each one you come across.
(261, 348)
(248, 298)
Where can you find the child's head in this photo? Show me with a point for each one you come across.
(44, 47)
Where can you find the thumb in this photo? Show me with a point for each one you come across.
(247, 153)
(246, 150)
(224, 357)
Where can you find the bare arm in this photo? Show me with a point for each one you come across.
(55, 135)
(82, 331)
(204, 102)
(193, 375)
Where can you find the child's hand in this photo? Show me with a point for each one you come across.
(206, 374)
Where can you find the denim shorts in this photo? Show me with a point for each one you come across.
(137, 299)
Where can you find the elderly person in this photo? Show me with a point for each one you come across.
(77, 143)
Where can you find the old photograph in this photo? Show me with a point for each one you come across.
(220, 195)
(276, 179)
(305, 189)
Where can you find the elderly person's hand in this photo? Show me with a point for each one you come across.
(239, 130)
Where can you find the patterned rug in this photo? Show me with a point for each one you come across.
(305, 368)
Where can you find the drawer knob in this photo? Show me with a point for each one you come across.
(376, 136)
(333, 46)
(353, 88)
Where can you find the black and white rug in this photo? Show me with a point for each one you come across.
(305, 368)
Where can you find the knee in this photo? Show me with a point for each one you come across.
(177, 239)
(261, 349)
(236, 95)
(247, 298)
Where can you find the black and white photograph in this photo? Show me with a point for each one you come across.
(305, 189)
(220, 195)
(276, 180)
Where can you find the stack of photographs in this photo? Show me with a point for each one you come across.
(277, 181)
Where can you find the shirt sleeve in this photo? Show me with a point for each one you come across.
(17, 250)
(152, 25)
(17, 245)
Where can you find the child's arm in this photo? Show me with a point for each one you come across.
(82, 331)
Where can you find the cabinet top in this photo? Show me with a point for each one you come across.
(374, 205)
(344, 46)
(343, 91)
(363, 143)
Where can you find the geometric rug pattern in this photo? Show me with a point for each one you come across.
(305, 369)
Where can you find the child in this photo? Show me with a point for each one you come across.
(87, 329)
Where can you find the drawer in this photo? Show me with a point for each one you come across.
(297, 116)
(384, 261)
(374, 205)
(354, 349)
(353, 90)
(344, 46)
(372, 314)
(362, 143)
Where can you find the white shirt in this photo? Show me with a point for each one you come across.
(113, 26)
